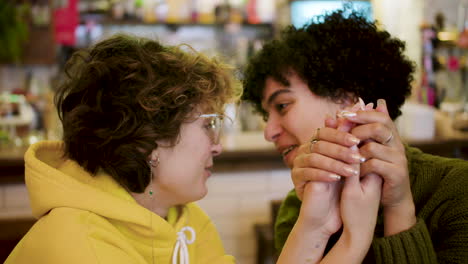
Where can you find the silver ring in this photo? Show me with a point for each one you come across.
(389, 138)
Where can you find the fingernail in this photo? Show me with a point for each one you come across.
(335, 177)
(381, 102)
(351, 170)
(369, 106)
(362, 105)
(353, 140)
(346, 114)
(358, 157)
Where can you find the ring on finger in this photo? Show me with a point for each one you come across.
(316, 134)
(312, 143)
(389, 138)
(314, 139)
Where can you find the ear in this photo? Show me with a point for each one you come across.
(153, 156)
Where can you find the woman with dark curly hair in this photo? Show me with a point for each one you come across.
(344, 167)
(141, 124)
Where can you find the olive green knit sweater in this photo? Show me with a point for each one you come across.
(440, 191)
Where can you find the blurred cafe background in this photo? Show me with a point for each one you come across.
(38, 36)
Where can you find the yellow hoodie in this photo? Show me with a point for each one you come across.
(85, 219)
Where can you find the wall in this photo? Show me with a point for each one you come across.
(236, 201)
(448, 7)
(403, 19)
(14, 201)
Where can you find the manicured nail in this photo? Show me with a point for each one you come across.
(358, 157)
(381, 102)
(335, 177)
(353, 140)
(369, 106)
(346, 114)
(362, 105)
(351, 170)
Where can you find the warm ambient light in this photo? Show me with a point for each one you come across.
(447, 36)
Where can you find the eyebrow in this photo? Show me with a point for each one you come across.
(276, 94)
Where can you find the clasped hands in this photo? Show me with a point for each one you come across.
(353, 164)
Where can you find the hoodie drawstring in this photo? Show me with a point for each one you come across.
(180, 249)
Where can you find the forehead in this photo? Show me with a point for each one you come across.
(273, 88)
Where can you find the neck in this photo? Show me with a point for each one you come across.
(148, 201)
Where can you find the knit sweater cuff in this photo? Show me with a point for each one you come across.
(410, 246)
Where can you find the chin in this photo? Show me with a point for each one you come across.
(199, 195)
(203, 193)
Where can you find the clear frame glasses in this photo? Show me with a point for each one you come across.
(213, 125)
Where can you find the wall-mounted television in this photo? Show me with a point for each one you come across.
(302, 11)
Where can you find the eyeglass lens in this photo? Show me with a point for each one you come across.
(214, 129)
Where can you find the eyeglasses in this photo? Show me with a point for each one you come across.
(213, 126)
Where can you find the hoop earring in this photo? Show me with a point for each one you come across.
(153, 164)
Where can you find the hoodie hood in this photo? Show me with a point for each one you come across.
(96, 218)
(54, 181)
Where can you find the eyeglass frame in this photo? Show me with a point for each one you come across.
(216, 131)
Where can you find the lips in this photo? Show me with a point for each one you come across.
(208, 171)
(286, 151)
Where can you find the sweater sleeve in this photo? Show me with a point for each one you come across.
(451, 239)
(447, 242)
(287, 217)
(411, 246)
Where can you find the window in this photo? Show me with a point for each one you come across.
(303, 11)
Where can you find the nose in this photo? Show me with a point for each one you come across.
(272, 129)
(216, 149)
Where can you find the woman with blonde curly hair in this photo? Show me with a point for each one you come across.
(141, 124)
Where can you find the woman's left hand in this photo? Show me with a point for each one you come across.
(385, 156)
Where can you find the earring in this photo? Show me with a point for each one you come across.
(153, 164)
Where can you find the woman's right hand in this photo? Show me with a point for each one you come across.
(316, 176)
(359, 206)
(320, 208)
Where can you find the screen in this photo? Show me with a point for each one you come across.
(303, 11)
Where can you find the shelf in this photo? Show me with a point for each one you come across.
(105, 20)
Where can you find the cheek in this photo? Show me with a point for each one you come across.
(194, 160)
(308, 129)
(303, 125)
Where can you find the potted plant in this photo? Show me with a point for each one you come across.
(13, 30)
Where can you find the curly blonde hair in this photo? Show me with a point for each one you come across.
(125, 93)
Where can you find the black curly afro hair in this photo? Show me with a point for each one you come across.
(337, 55)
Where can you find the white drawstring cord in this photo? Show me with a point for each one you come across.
(180, 248)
